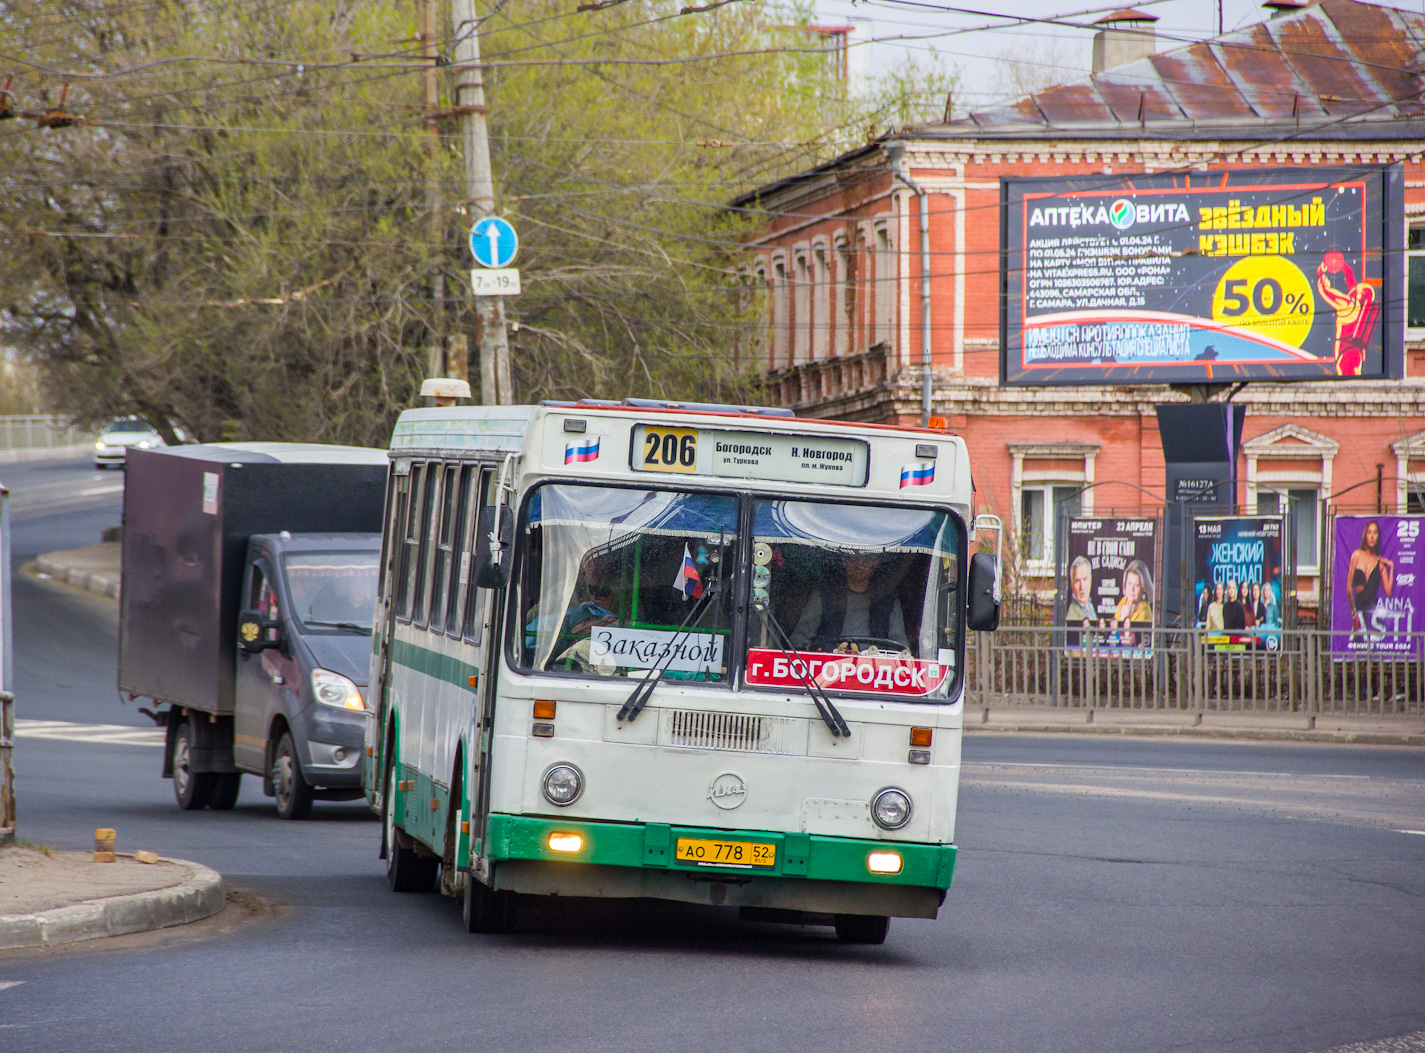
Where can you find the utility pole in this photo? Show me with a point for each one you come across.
(496, 388)
(436, 366)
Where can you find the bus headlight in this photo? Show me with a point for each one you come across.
(563, 784)
(891, 809)
(335, 690)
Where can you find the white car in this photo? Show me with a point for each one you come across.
(114, 443)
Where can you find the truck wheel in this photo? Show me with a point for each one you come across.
(862, 928)
(225, 790)
(406, 870)
(487, 910)
(294, 796)
(192, 789)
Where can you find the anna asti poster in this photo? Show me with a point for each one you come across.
(1377, 593)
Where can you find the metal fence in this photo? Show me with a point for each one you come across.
(1177, 669)
(41, 432)
(7, 771)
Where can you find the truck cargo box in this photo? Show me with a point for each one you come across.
(188, 514)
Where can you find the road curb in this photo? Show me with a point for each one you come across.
(201, 896)
(101, 584)
(1358, 738)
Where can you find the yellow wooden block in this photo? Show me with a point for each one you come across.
(104, 857)
(105, 833)
(146, 857)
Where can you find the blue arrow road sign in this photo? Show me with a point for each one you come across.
(493, 242)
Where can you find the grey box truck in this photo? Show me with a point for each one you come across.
(249, 581)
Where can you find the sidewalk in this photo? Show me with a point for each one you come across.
(53, 898)
(96, 568)
(1258, 727)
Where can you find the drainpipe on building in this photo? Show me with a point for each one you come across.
(895, 152)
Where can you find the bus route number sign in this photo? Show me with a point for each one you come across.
(669, 450)
(725, 853)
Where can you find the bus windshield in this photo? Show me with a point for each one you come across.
(332, 590)
(856, 598)
(616, 581)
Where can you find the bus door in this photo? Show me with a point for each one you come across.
(393, 571)
(482, 632)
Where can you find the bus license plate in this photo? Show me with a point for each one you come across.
(726, 853)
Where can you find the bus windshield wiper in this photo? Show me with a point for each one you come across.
(829, 713)
(352, 626)
(635, 702)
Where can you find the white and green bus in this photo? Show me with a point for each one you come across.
(710, 654)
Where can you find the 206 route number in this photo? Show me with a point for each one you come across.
(669, 450)
(726, 853)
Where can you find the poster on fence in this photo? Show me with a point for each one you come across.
(1377, 594)
(1107, 585)
(1238, 591)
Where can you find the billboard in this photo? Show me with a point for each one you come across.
(1107, 586)
(1195, 277)
(1376, 586)
(1237, 594)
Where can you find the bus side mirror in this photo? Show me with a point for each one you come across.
(983, 613)
(493, 540)
(253, 635)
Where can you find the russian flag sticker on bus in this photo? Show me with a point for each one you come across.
(583, 450)
(917, 475)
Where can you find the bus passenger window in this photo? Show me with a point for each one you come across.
(474, 607)
(410, 542)
(425, 542)
(441, 558)
(459, 556)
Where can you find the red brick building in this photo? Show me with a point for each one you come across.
(839, 255)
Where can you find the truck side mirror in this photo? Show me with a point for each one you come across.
(983, 613)
(494, 537)
(253, 635)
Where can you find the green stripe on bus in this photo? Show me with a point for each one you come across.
(432, 663)
(652, 845)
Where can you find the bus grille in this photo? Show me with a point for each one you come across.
(730, 731)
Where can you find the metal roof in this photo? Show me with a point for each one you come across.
(1338, 69)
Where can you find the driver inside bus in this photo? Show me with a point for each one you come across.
(592, 602)
(854, 609)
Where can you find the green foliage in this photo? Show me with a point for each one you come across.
(262, 251)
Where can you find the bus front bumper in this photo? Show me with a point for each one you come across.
(809, 872)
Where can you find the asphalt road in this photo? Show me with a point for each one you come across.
(1112, 894)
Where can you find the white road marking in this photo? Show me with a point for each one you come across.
(1420, 832)
(94, 491)
(1147, 768)
(5, 985)
(107, 734)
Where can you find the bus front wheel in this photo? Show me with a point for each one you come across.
(406, 869)
(862, 928)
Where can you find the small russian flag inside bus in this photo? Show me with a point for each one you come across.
(917, 475)
(688, 583)
(576, 452)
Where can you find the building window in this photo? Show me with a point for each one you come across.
(1303, 507)
(801, 309)
(885, 286)
(780, 319)
(821, 303)
(1040, 509)
(1415, 500)
(844, 307)
(1415, 278)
